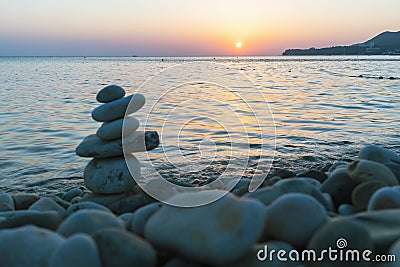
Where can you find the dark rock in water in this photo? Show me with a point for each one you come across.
(110, 93)
(317, 175)
(343, 234)
(339, 186)
(363, 192)
(151, 140)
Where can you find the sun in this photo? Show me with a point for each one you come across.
(238, 44)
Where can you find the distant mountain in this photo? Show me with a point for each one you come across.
(386, 43)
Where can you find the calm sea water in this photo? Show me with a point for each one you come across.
(324, 109)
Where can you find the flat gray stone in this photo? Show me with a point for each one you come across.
(118, 109)
(110, 93)
(111, 175)
(94, 147)
(113, 130)
(45, 219)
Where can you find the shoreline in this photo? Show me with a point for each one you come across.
(358, 201)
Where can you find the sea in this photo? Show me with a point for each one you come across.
(238, 116)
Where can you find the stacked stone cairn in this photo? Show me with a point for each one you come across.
(108, 172)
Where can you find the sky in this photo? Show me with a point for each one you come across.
(187, 27)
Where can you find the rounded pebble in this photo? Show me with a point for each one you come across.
(78, 250)
(139, 218)
(110, 93)
(119, 108)
(379, 154)
(73, 192)
(28, 246)
(363, 192)
(385, 198)
(339, 186)
(122, 249)
(89, 222)
(306, 216)
(366, 170)
(355, 236)
(232, 225)
(113, 130)
(111, 175)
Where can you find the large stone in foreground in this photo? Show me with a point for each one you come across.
(293, 218)
(94, 147)
(28, 246)
(111, 175)
(118, 108)
(217, 234)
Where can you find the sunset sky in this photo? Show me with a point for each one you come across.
(187, 27)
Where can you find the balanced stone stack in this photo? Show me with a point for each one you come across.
(108, 172)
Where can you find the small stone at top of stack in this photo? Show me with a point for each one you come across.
(107, 172)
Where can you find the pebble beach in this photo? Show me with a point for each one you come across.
(110, 220)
